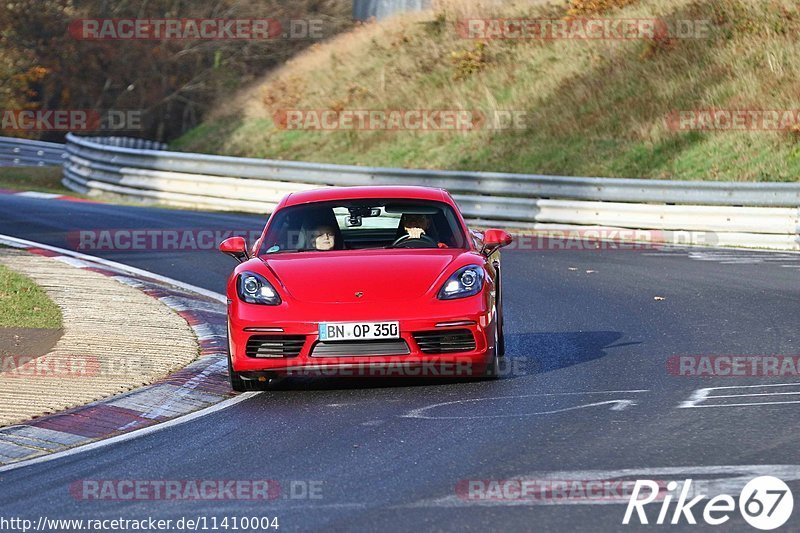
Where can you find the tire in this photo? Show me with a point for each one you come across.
(501, 351)
(492, 371)
(500, 321)
(237, 383)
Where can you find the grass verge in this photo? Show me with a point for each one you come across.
(23, 304)
(39, 179)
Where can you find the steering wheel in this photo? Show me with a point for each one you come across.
(407, 241)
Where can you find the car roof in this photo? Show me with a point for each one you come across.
(332, 194)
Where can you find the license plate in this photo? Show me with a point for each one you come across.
(358, 331)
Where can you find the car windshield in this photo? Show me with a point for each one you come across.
(363, 224)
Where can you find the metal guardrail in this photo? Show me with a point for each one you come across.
(133, 142)
(28, 153)
(380, 9)
(738, 214)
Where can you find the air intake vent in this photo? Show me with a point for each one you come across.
(448, 341)
(360, 348)
(275, 346)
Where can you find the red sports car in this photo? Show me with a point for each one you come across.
(365, 281)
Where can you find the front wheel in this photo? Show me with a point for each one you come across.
(493, 367)
(237, 383)
(499, 308)
(501, 350)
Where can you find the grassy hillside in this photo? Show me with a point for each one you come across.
(594, 107)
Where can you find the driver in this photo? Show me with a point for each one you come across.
(416, 226)
(323, 238)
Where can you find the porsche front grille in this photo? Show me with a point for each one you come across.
(275, 346)
(360, 348)
(447, 341)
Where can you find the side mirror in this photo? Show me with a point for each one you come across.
(235, 247)
(494, 239)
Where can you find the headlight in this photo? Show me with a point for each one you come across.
(255, 289)
(467, 281)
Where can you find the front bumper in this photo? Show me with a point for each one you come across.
(246, 321)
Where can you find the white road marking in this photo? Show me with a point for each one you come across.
(750, 404)
(700, 397)
(205, 332)
(617, 405)
(697, 396)
(72, 261)
(22, 243)
(35, 194)
(733, 256)
(756, 394)
(179, 303)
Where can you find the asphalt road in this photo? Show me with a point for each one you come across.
(588, 337)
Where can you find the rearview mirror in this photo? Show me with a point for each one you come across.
(494, 239)
(235, 247)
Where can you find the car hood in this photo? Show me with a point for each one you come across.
(378, 275)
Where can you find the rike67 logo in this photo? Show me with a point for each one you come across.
(765, 503)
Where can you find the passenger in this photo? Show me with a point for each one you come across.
(323, 238)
